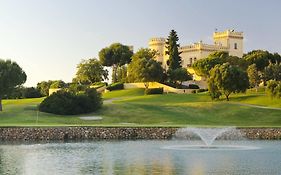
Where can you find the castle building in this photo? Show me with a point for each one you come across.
(229, 41)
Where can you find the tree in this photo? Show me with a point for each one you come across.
(114, 56)
(30, 92)
(274, 88)
(253, 74)
(11, 76)
(272, 72)
(122, 74)
(174, 61)
(203, 66)
(228, 79)
(144, 68)
(259, 57)
(90, 71)
(276, 58)
(180, 75)
(58, 84)
(44, 87)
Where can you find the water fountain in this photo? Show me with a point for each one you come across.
(208, 136)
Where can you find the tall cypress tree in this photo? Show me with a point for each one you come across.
(174, 61)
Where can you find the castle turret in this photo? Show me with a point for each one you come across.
(232, 40)
(158, 44)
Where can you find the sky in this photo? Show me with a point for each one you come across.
(48, 38)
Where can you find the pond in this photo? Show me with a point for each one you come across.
(141, 157)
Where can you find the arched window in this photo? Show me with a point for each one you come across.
(190, 61)
(194, 59)
(235, 45)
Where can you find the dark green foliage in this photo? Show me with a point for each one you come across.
(16, 93)
(144, 68)
(193, 91)
(149, 91)
(44, 87)
(213, 89)
(115, 86)
(90, 71)
(115, 56)
(193, 86)
(176, 85)
(179, 75)
(122, 74)
(202, 67)
(58, 84)
(274, 88)
(198, 91)
(30, 92)
(76, 88)
(227, 79)
(98, 85)
(201, 90)
(11, 76)
(276, 58)
(66, 103)
(253, 74)
(174, 61)
(260, 58)
(272, 72)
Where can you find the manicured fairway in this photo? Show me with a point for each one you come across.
(132, 108)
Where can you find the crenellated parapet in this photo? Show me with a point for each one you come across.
(228, 33)
(157, 41)
(202, 46)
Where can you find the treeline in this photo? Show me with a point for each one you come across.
(230, 74)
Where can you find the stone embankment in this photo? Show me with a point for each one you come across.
(112, 133)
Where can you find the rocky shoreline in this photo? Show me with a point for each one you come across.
(113, 133)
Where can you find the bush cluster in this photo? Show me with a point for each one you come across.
(193, 86)
(198, 91)
(115, 86)
(23, 92)
(31, 93)
(175, 85)
(274, 88)
(67, 103)
(153, 91)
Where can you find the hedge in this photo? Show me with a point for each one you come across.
(115, 86)
(67, 103)
(153, 91)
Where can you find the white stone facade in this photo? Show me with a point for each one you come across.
(229, 41)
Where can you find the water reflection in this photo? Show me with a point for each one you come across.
(135, 157)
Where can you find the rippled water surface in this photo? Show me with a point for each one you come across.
(140, 157)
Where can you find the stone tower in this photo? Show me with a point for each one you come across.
(158, 44)
(232, 40)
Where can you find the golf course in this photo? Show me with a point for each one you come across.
(133, 108)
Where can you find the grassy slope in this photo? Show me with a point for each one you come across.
(131, 106)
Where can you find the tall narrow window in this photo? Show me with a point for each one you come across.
(190, 61)
(235, 45)
(194, 59)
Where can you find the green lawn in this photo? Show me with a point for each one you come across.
(132, 108)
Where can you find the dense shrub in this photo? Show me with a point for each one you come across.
(115, 86)
(31, 93)
(176, 85)
(201, 90)
(193, 86)
(153, 91)
(274, 88)
(67, 103)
